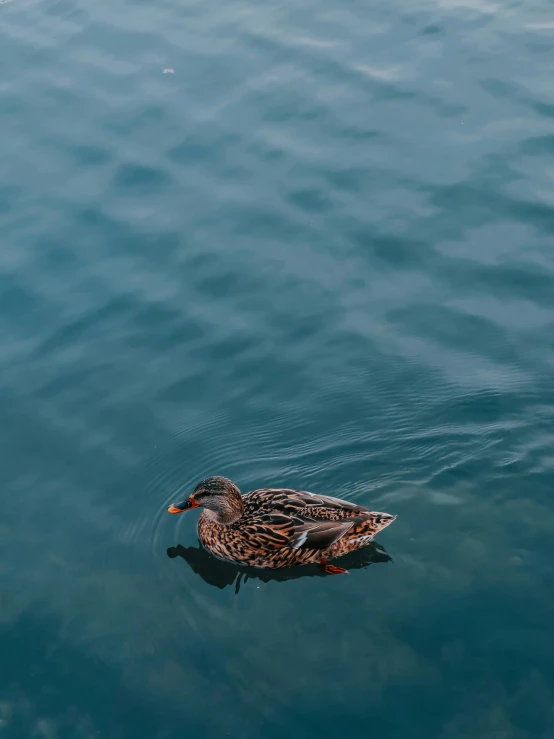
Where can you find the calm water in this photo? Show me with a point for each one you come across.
(317, 254)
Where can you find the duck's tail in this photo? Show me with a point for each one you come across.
(380, 521)
(372, 523)
(362, 533)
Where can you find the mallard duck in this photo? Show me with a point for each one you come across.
(277, 527)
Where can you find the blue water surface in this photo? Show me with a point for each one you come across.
(297, 244)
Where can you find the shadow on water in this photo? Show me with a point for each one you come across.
(223, 574)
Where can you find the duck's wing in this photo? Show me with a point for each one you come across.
(278, 530)
(298, 519)
(313, 501)
(286, 501)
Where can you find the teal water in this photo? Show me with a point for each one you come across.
(316, 254)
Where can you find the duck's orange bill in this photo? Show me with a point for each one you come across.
(174, 509)
(190, 503)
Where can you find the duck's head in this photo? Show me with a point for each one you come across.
(220, 498)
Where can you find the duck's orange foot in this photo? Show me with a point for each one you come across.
(331, 569)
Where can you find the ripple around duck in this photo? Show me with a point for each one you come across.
(254, 456)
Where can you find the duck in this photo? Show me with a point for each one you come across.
(277, 527)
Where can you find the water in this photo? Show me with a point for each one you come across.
(317, 253)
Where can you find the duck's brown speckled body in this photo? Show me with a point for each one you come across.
(278, 527)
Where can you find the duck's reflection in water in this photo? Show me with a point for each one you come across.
(224, 574)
